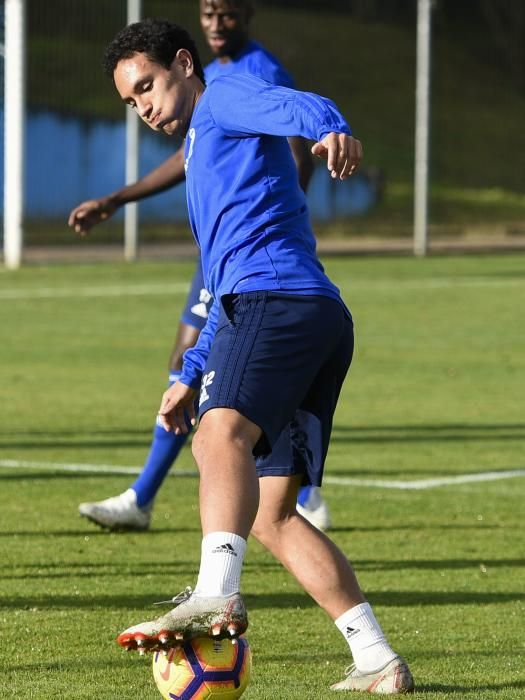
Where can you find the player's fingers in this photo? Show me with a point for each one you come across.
(180, 426)
(355, 154)
(191, 413)
(332, 145)
(163, 422)
(318, 150)
(76, 216)
(341, 155)
(169, 400)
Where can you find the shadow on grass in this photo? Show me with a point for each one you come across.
(48, 474)
(92, 663)
(453, 432)
(467, 689)
(95, 438)
(65, 570)
(263, 601)
(422, 526)
(99, 532)
(435, 564)
(85, 443)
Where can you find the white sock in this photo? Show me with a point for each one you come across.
(222, 555)
(365, 638)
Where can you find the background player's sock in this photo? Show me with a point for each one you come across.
(365, 638)
(163, 452)
(222, 555)
(309, 497)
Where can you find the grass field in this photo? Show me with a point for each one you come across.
(436, 392)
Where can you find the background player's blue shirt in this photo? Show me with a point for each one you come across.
(247, 210)
(253, 59)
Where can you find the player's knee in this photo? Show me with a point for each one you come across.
(260, 531)
(224, 433)
(217, 438)
(268, 524)
(197, 447)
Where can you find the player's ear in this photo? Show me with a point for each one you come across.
(184, 58)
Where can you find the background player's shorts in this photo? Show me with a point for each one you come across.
(198, 303)
(280, 360)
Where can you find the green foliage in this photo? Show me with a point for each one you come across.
(435, 391)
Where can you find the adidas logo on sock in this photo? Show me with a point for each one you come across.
(225, 549)
(350, 632)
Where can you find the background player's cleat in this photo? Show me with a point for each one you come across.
(118, 513)
(312, 506)
(194, 616)
(394, 679)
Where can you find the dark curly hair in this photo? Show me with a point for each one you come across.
(157, 38)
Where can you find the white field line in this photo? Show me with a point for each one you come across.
(87, 292)
(391, 285)
(180, 287)
(418, 484)
(79, 468)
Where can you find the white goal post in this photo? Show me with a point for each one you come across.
(14, 130)
(424, 25)
(131, 212)
(14, 137)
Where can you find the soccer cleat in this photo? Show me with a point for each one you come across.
(118, 513)
(393, 679)
(218, 617)
(312, 506)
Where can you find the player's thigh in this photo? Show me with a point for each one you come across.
(302, 445)
(267, 351)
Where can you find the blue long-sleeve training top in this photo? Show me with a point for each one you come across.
(247, 211)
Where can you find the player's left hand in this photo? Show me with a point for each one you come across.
(177, 403)
(342, 153)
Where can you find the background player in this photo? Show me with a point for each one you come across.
(226, 26)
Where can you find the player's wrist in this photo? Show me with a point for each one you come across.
(113, 201)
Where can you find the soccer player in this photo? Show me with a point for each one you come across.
(226, 26)
(278, 342)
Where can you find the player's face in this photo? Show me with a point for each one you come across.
(225, 25)
(163, 98)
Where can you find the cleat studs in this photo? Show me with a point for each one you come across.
(179, 636)
(234, 642)
(163, 638)
(215, 630)
(140, 642)
(142, 651)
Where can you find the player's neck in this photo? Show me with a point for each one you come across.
(230, 57)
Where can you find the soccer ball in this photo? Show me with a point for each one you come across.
(204, 668)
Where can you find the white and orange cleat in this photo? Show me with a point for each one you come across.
(394, 679)
(194, 616)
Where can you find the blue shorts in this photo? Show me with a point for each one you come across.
(280, 360)
(198, 303)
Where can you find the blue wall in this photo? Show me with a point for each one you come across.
(69, 160)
